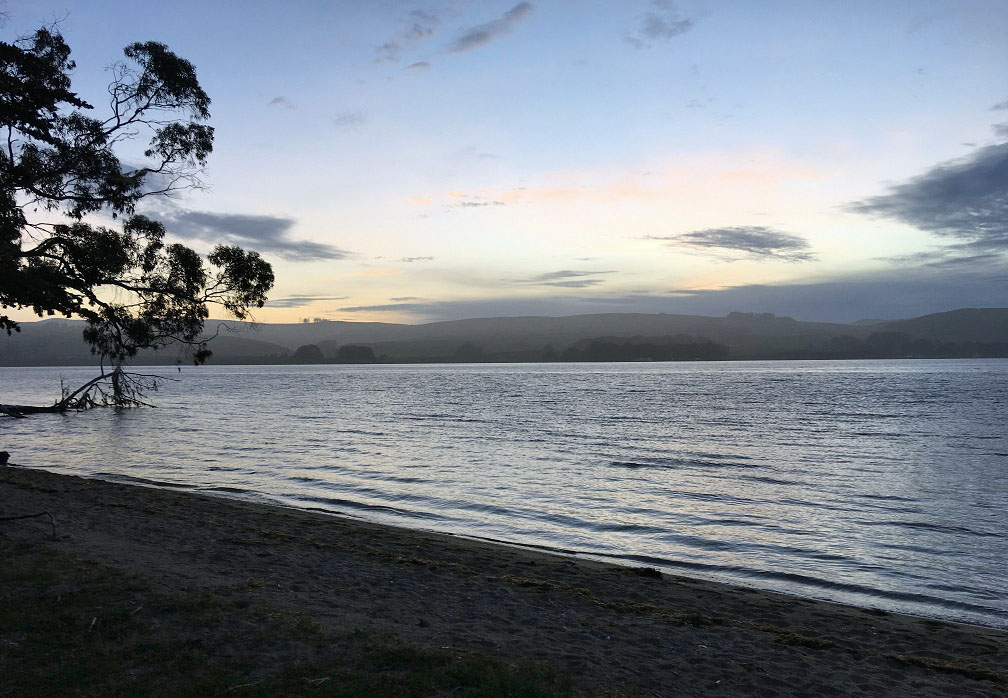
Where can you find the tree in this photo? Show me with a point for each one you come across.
(308, 354)
(355, 354)
(59, 164)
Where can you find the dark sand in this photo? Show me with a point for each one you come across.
(604, 623)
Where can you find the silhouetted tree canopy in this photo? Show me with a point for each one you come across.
(355, 354)
(58, 164)
(308, 354)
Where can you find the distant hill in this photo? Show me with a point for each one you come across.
(966, 332)
(59, 343)
(966, 325)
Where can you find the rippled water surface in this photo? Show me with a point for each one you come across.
(881, 483)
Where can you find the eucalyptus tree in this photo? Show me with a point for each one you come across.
(60, 172)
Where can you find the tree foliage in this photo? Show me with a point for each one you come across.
(355, 354)
(59, 164)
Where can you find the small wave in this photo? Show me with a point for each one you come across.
(886, 497)
(374, 508)
(133, 480)
(224, 488)
(673, 463)
(808, 581)
(396, 478)
(939, 528)
(773, 480)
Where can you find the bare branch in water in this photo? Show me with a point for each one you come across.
(116, 388)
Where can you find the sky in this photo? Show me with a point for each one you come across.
(408, 161)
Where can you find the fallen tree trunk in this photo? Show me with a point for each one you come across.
(127, 390)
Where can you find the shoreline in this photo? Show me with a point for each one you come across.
(857, 596)
(600, 621)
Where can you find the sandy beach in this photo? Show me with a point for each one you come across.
(607, 625)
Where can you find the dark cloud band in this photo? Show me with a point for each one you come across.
(755, 242)
(266, 234)
(965, 200)
(554, 276)
(300, 301)
(891, 294)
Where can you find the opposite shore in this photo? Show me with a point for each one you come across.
(604, 625)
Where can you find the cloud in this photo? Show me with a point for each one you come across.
(420, 25)
(564, 274)
(419, 65)
(266, 234)
(1000, 106)
(406, 298)
(574, 283)
(390, 307)
(461, 199)
(280, 102)
(756, 242)
(892, 294)
(965, 200)
(972, 260)
(1000, 130)
(480, 204)
(410, 260)
(946, 258)
(300, 301)
(348, 119)
(663, 23)
(921, 22)
(888, 294)
(483, 34)
(567, 278)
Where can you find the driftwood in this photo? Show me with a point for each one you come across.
(117, 388)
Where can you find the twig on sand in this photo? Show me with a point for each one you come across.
(52, 519)
(245, 685)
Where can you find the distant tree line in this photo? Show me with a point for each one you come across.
(312, 354)
(677, 348)
(878, 345)
(900, 345)
(673, 348)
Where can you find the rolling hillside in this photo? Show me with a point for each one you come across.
(966, 332)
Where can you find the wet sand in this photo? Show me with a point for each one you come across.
(604, 623)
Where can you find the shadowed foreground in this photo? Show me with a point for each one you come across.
(152, 591)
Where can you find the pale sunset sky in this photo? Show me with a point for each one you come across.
(414, 161)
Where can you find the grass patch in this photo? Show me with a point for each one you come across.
(73, 627)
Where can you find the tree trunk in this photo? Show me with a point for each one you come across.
(127, 391)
